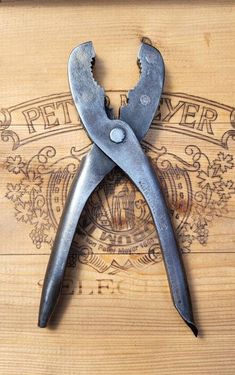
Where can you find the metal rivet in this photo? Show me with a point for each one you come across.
(145, 99)
(117, 135)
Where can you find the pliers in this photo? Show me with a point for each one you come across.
(116, 142)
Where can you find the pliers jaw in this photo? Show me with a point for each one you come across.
(89, 96)
(143, 99)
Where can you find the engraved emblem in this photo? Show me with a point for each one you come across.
(115, 232)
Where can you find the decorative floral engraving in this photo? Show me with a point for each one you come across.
(116, 212)
(211, 197)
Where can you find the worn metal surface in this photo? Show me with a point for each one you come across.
(116, 142)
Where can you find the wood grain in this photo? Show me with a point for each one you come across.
(115, 315)
(133, 330)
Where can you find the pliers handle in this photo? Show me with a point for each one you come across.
(116, 142)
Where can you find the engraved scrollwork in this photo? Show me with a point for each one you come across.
(42, 158)
(72, 167)
(230, 134)
(75, 153)
(84, 254)
(154, 253)
(168, 160)
(200, 197)
(5, 119)
(7, 134)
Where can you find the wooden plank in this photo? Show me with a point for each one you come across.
(118, 324)
(116, 316)
(190, 54)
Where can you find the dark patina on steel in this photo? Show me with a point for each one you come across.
(116, 142)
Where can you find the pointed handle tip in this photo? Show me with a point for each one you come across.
(42, 320)
(187, 316)
(193, 327)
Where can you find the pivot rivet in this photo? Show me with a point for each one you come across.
(117, 135)
(145, 100)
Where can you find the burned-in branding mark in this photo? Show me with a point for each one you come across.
(116, 232)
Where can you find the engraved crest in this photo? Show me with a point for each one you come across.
(116, 232)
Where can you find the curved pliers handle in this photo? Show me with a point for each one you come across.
(116, 142)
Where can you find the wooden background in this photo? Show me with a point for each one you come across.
(124, 322)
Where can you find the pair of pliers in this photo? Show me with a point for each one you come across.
(116, 142)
